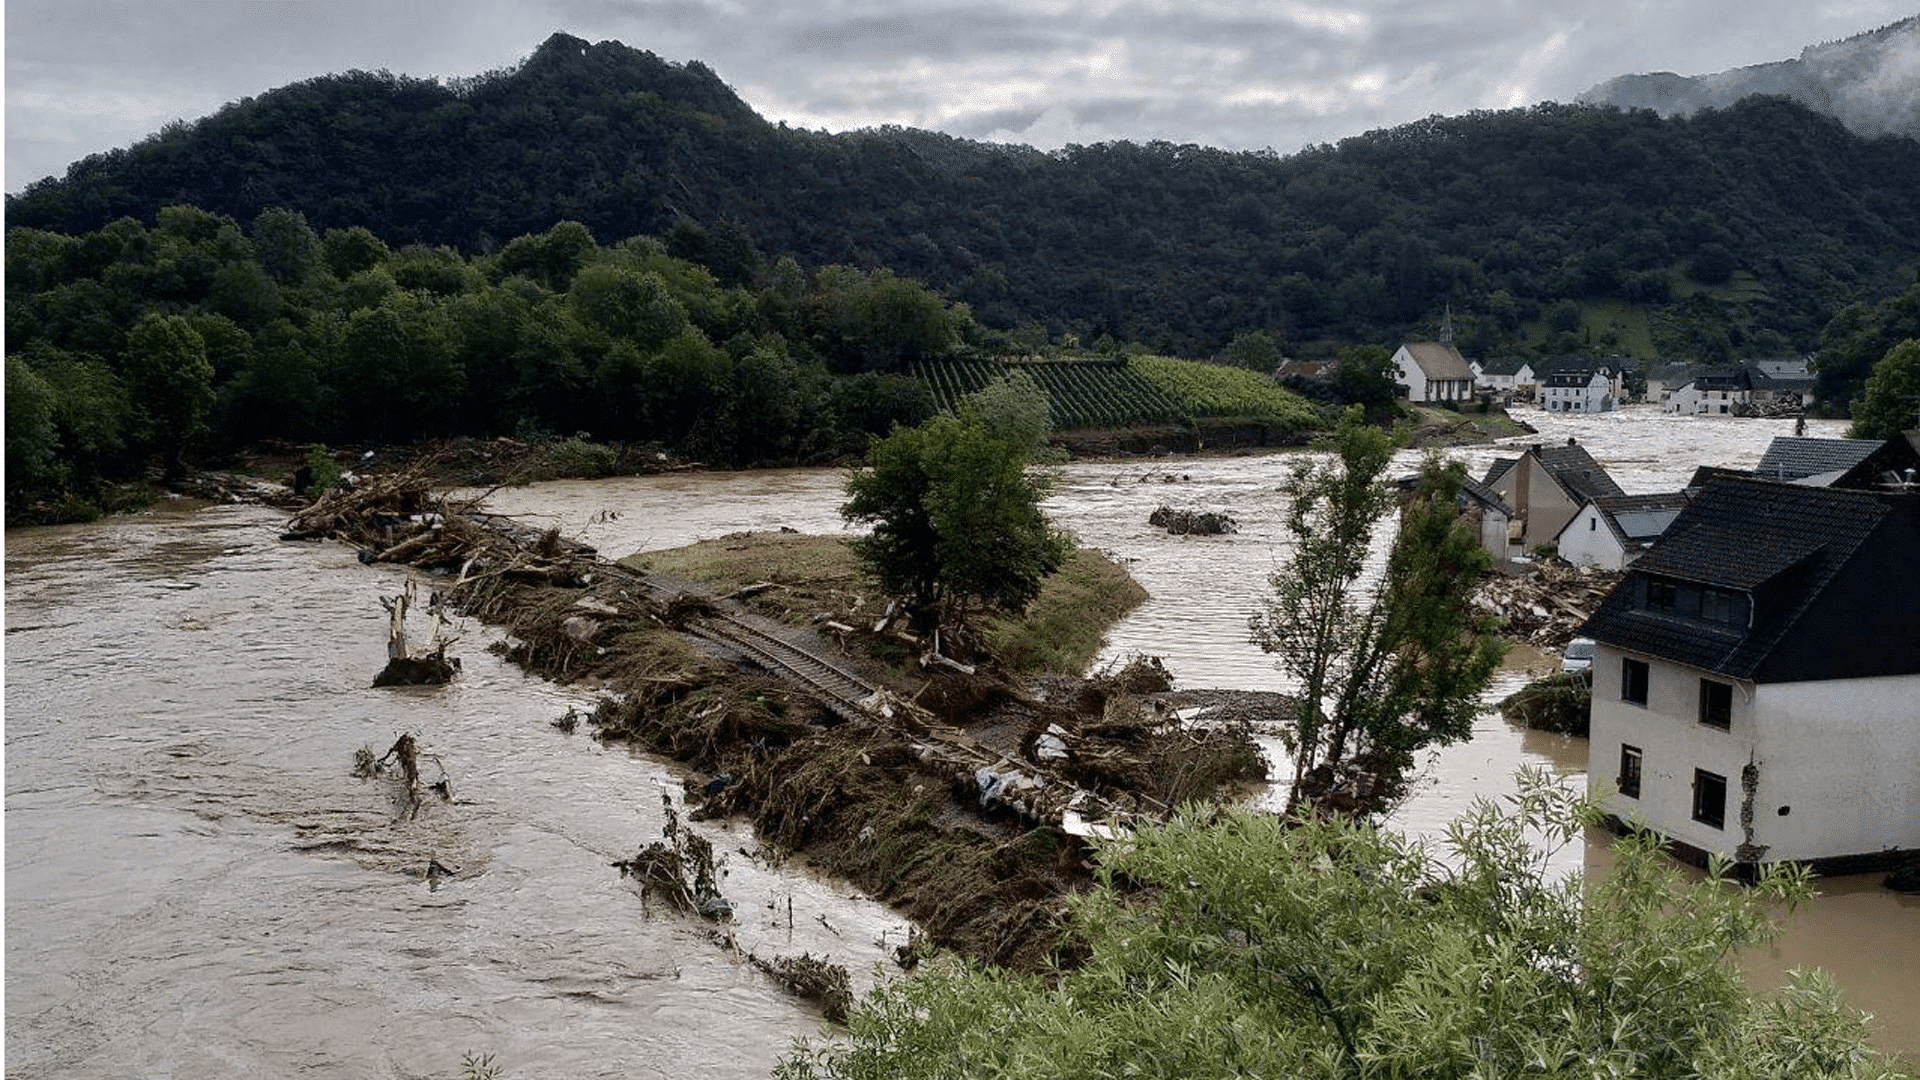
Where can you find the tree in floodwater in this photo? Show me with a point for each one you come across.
(1232, 943)
(1387, 667)
(955, 507)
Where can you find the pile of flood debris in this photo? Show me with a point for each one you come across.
(1546, 607)
(978, 873)
(1191, 522)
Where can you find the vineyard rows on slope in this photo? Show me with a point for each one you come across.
(1137, 391)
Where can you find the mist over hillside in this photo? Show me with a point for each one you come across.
(1871, 83)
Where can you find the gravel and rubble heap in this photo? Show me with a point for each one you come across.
(1547, 607)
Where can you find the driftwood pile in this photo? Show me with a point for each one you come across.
(1546, 608)
(400, 518)
(680, 869)
(1191, 522)
(1777, 409)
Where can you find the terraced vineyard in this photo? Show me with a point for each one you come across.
(1135, 391)
(1213, 392)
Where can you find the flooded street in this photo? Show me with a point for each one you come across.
(196, 886)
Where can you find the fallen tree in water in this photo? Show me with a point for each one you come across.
(430, 668)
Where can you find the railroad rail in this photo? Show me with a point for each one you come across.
(1023, 786)
(1000, 778)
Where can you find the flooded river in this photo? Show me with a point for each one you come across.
(197, 886)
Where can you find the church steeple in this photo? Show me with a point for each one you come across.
(1446, 327)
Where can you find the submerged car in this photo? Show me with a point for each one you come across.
(1579, 655)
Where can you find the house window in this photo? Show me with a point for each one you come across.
(1633, 681)
(1716, 605)
(1593, 524)
(1709, 798)
(1662, 596)
(1716, 704)
(1630, 771)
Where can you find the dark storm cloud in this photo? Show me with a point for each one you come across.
(87, 75)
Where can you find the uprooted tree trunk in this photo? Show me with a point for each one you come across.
(431, 668)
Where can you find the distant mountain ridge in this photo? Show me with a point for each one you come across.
(1749, 224)
(1870, 83)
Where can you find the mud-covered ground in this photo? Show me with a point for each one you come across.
(859, 798)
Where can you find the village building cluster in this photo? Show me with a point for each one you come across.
(1756, 671)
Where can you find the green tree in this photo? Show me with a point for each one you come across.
(1891, 402)
(32, 439)
(1255, 350)
(1236, 944)
(1383, 668)
(170, 381)
(1855, 340)
(396, 370)
(956, 516)
(350, 251)
(1364, 376)
(286, 245)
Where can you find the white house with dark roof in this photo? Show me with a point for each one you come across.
(1507, 374)
(1756, 685)
(1433, 371)
(1613, 530)
(1546, 486)
(1664, 379)
(1578, 390)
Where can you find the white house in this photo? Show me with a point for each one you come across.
(1432, 371)
(1756, 688)
(1578, 390)
(1664, 379)
(1613, 530)
(1506, 374)
(1713, 393)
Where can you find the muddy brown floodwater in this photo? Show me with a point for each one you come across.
(196, 886)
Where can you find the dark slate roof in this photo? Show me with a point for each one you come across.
(1791, 457)
(1502, 365)
(1498, 469)
(1723, 378)
(1706, 474)
(1570, 377)
(1670, 374)
(1782, 546)
(1577, 471)
(1638, 519)
(1480, 491)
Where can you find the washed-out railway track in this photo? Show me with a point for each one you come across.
(1001, 778)
(1024, 786)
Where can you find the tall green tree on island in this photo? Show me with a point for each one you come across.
(1384, 668)
(1237, 944)
(955, 509)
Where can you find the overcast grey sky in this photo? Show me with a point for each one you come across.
(84, 76)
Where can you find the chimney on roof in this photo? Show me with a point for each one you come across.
(1570, 441)
(1446, 327)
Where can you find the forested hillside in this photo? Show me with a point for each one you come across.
(133, 346)
(1740, 230)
